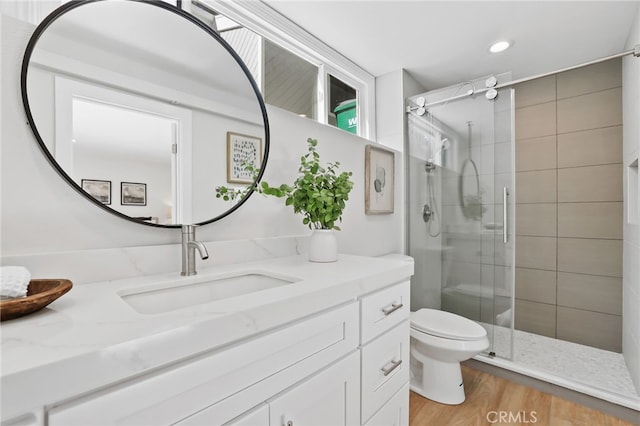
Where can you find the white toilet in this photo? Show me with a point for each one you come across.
(439, 342)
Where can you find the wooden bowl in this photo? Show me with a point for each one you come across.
(39, 294)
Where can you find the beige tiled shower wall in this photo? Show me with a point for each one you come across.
(569, 206)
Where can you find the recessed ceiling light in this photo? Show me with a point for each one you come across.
(499, 46)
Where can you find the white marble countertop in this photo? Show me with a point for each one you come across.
(91, 337)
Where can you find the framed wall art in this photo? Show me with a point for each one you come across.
(242, 150)
(133, 194)
(98, 189)
(379, 180)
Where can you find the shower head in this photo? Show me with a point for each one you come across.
(430, 166)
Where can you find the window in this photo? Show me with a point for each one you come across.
(294, 70)
(342, 105)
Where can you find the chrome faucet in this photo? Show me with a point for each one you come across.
(189, 246)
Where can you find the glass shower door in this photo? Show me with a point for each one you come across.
(503, 225)
(460, 162)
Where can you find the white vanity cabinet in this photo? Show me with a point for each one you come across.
(331, 397)
(384, 353)
(395, 412)
(370, 386)
(345, 366)
(35, 418)
(330, 349)
(254, 417)
(218, 387)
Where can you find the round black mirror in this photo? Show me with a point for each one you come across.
(144, 110)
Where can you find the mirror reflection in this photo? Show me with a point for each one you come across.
(136, 104)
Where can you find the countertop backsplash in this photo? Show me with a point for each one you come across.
(85, 266)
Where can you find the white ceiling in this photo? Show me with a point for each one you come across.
(441, 43)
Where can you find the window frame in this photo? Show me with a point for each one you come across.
(270, 24)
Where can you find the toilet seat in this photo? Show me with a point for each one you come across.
(446, 325)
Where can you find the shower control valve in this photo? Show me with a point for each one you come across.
(427, 213)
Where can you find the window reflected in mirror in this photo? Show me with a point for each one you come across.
(290, 82)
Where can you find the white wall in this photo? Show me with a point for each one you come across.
(389, 110)
(42, 214)
(209, 162)
(209, 130)
(391, 129)
(392, 90)
(631, 231)
(122, 168)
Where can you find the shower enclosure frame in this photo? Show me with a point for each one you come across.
(564, 382)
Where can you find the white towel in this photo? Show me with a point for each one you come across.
(14, 281)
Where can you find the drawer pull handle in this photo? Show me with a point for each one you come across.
(394, 364)
(391, 309)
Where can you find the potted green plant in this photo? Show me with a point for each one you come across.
(319, 194)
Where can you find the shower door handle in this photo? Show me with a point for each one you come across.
(505, 215)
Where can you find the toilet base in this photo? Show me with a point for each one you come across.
(440, 381)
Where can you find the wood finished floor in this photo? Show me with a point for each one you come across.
(489, 395)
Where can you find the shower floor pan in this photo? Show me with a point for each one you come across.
(592, 371)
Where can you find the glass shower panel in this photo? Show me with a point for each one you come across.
(501, 230)
(460, 160)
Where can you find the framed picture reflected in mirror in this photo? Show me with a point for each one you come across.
(242, 150)
(98, 189)
(133, 194)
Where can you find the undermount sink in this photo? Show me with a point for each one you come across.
(184, 292)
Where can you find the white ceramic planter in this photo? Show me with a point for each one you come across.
(323, 246)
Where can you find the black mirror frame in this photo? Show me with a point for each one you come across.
(174, 9)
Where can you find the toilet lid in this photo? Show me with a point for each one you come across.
(447, 325)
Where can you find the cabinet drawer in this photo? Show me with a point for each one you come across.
(382, 310)
(395, 412)
(173, 394)
(385, 368)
